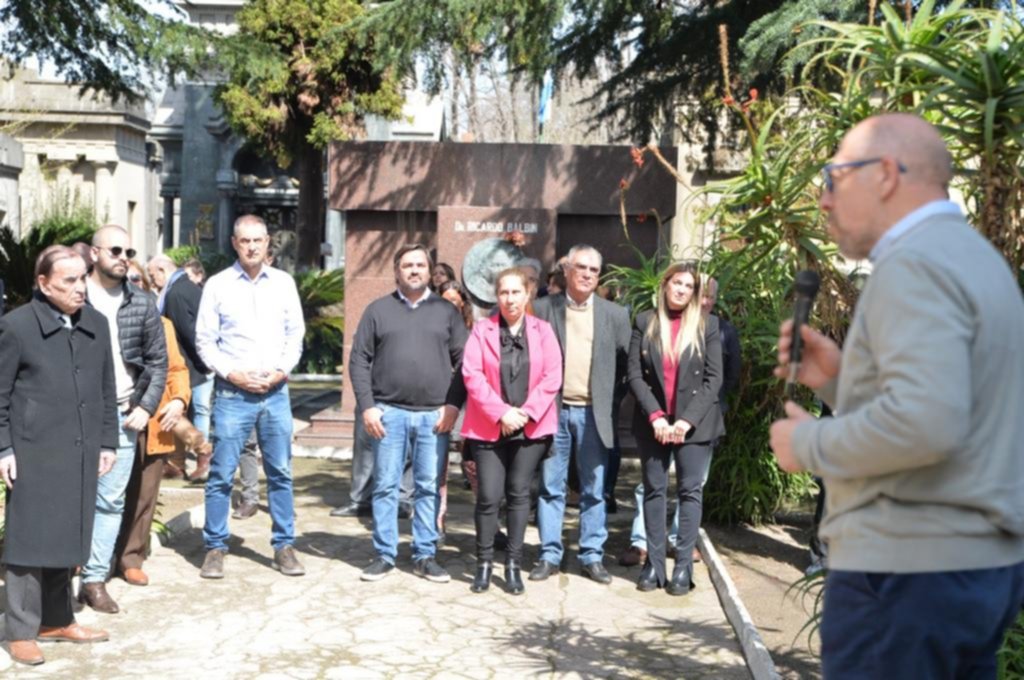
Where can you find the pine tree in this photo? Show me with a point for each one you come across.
(122, 48)
(299, 77)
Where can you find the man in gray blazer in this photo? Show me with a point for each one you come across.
(924, 459)
(593, 334)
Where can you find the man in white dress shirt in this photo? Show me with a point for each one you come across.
(249, 331)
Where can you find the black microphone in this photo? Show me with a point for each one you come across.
(806, 288)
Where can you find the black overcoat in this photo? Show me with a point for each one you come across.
(58, 407)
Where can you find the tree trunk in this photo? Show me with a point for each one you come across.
(309, 223)
(456, 91)
(513, 90)
(1000, 209)
(474, 107)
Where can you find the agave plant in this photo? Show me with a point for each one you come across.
(18, 256)
(321, 294)
(963, 70)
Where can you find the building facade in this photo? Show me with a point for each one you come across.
(80, 150)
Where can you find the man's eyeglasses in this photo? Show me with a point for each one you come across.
(826, 172)
(580, 267)
(117, 251)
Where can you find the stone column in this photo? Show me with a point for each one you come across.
(336, 239)
(227, 185)
(168, 221)
(64, 176)
(104, 192)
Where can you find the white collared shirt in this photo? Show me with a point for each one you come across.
(410, 303)
(911, 220)
(250, 324)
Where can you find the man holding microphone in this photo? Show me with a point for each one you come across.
(923, 459)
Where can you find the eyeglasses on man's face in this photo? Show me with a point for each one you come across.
(583, 268)
(829, 180)
(117, 251)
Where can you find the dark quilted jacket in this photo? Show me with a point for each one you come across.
(141, 336)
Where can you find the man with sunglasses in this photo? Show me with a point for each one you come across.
(923, 458)
(140, 373)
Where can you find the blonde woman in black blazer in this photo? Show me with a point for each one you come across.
(675, 352)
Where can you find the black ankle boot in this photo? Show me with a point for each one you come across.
(682, 579)
(482, 580)
(648, 580)
(514, 578)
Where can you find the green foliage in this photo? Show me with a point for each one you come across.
(963, 70)
(768, 46)
(810, 590)
(182, 254)
(426, 36)
(673, 50)
(322, 295)
(769, 229)
(213, 262)
(299, 74)
(118, 47)
(1010, 660)
(637, 286)
(65, 221)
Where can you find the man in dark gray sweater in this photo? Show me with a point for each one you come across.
(404, 369)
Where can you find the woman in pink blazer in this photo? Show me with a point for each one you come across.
(512, 366)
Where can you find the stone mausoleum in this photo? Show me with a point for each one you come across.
(456, 198)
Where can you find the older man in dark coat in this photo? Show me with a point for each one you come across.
(58, 432)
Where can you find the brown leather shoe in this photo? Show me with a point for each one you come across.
(286, 562)
(26, 652)
(96, 596)
(172, 471)
(202, 471)
(213, 564)
(245, 510)
(72, 633)
(633, 556)
(136, 577)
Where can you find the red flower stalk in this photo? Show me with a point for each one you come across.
(728, 100)
(641, 218)
(753, 94)
(638, 157)
(623, 184)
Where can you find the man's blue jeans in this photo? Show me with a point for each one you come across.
(576, 430)
(235, 413)
(202, 396)
(415, 429)
(110, 490)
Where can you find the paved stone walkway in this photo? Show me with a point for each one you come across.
(259, 624)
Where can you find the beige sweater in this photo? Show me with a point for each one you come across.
(924, 462)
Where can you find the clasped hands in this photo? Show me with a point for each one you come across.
(514, 420)
(257, 382)
(670, 434)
